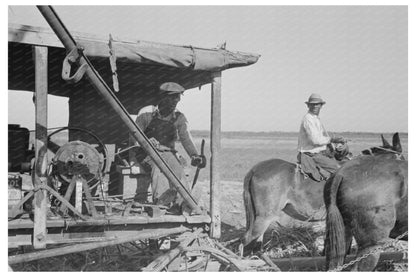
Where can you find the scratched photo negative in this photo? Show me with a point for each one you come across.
(208, 138)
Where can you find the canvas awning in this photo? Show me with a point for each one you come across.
(141, 66)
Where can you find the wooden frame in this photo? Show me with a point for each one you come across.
(40, 238)
(41, 39)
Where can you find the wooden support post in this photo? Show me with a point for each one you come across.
(215, 185)
(88, 196)
(68, 194)
(39, 173)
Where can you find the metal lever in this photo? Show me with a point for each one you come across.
(198, 168)
(70, 59)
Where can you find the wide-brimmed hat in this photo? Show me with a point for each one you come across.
(315, 99)
(170, 88)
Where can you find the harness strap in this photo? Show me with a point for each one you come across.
(399, 155)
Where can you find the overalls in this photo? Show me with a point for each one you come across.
(166, 133)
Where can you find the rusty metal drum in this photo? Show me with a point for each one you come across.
(77, 158)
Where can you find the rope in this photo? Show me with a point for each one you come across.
(374, 251)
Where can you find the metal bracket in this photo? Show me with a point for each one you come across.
(72, 58)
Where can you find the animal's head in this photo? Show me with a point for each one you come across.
(342, 151)
(386, 148)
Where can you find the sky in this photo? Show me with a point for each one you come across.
(355, 57)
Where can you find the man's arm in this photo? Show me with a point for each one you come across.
(315, 132)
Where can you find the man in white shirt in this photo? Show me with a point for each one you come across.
(313, 138)
(164, 127)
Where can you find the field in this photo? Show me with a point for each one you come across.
(242, 150)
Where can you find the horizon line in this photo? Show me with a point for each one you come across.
(247, 131)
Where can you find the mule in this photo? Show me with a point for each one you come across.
(366, 199)
(275, 188)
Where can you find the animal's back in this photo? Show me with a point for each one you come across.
(374, 189)
(264, 185)
(372, 171)
(269, 168)
(269, 181)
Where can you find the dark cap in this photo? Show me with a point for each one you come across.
(170, 88)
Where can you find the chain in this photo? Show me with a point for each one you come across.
(377, 249)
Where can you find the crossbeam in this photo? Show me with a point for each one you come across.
(147, 234)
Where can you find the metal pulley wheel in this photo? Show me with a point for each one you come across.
(77, 158)
(56, 145)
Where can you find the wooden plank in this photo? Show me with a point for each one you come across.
(41, 101)
(90, 203)
(308, 263)
(67, 197)
(147, 234)
(23, 223)
(26, 240)
(215, 185)
(33, 36)
(72, 237)
(162, 261)
(198, 219)
(78, 194)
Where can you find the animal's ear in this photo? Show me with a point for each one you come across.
(397, 146)
(386, 144)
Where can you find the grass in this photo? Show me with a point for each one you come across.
(242, 150)
(239, 153)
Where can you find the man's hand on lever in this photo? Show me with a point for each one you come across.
(199, 161)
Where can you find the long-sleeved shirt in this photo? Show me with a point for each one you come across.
(312, 135)
(181, 123)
